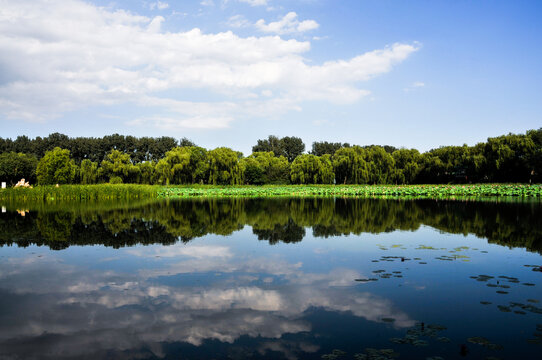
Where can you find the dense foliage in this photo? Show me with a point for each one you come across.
(513, 158)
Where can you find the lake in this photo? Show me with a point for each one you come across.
(272, 279)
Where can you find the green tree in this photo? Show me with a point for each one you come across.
(320, 148)
(253, 170)
(266, 168)
(183, 165)
(350, 166)
(16, 166)
(292, 147)
(88, 172)
(118, 165)
(146, 172)
(272, 143)
(381, 165)
(311, 169)
(407, 165)
(56, 167)
(224, 167)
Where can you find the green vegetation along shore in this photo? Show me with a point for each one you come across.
(80, 192)
(479, 190)
(130, 191)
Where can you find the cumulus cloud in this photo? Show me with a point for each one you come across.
(287, 25)
(61, 56)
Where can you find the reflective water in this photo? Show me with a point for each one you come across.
(273, 279)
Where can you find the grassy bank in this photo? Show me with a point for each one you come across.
(80, 192)
(129, 191)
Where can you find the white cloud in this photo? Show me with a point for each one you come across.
(289, 24)
(61, 56)
(207, 3)
(158, 5)
(255, 2)
(415, 85)
(238, 21)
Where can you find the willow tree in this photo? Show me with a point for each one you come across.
(311, 169)
(88, 172)
(117, 167)
(224, 167)
(381, 165)
(407, 165)
(350, 166)
(146, 172)
(183, 165)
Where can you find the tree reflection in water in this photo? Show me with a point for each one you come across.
(513, 224)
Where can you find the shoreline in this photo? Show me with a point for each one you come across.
(134, 191)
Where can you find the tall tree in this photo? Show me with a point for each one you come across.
(272, 143)
(56, 167)
(292, 147)
(320, 148)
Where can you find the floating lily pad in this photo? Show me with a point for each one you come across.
(479, 340)
(503, 308)
(420, 343)
(443, 339)
(388, 320)
(533, 301)
(528, 284)
(501, 292)
(485, 302)
(422, 262)
(425, 247)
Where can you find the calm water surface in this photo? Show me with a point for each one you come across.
(272, 279)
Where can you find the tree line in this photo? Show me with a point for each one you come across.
(59, 159)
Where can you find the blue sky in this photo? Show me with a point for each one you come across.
(228, 72)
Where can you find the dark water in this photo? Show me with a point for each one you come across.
(272, 279)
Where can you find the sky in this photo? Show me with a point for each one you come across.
(414, 74)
